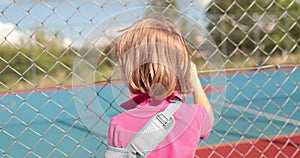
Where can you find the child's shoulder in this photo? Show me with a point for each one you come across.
(193, 107)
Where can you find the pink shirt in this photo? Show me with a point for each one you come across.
(191, 124)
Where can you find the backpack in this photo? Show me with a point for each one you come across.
(157, 128)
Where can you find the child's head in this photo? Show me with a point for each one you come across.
(154, 58)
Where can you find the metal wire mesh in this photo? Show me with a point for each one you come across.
(39, 40)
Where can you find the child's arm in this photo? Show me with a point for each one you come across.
(200, 97)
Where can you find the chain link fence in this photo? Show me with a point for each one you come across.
(40, 41)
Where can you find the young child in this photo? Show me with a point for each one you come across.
(156, 67)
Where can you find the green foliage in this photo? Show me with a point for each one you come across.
(42, 59)
(244, 25)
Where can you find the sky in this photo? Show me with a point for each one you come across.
(77, 20)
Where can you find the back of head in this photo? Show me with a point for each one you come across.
(154, 57)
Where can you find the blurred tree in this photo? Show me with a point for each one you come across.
(266, 27)
(44, 55)
(161, 5)
(49, 52)
(189, 27)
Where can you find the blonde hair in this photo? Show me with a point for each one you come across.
(154, 58)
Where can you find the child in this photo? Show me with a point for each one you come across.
(156, 67)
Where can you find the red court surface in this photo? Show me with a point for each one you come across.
(287, 146)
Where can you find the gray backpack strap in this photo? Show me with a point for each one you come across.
(164, 116)
(154, 131)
